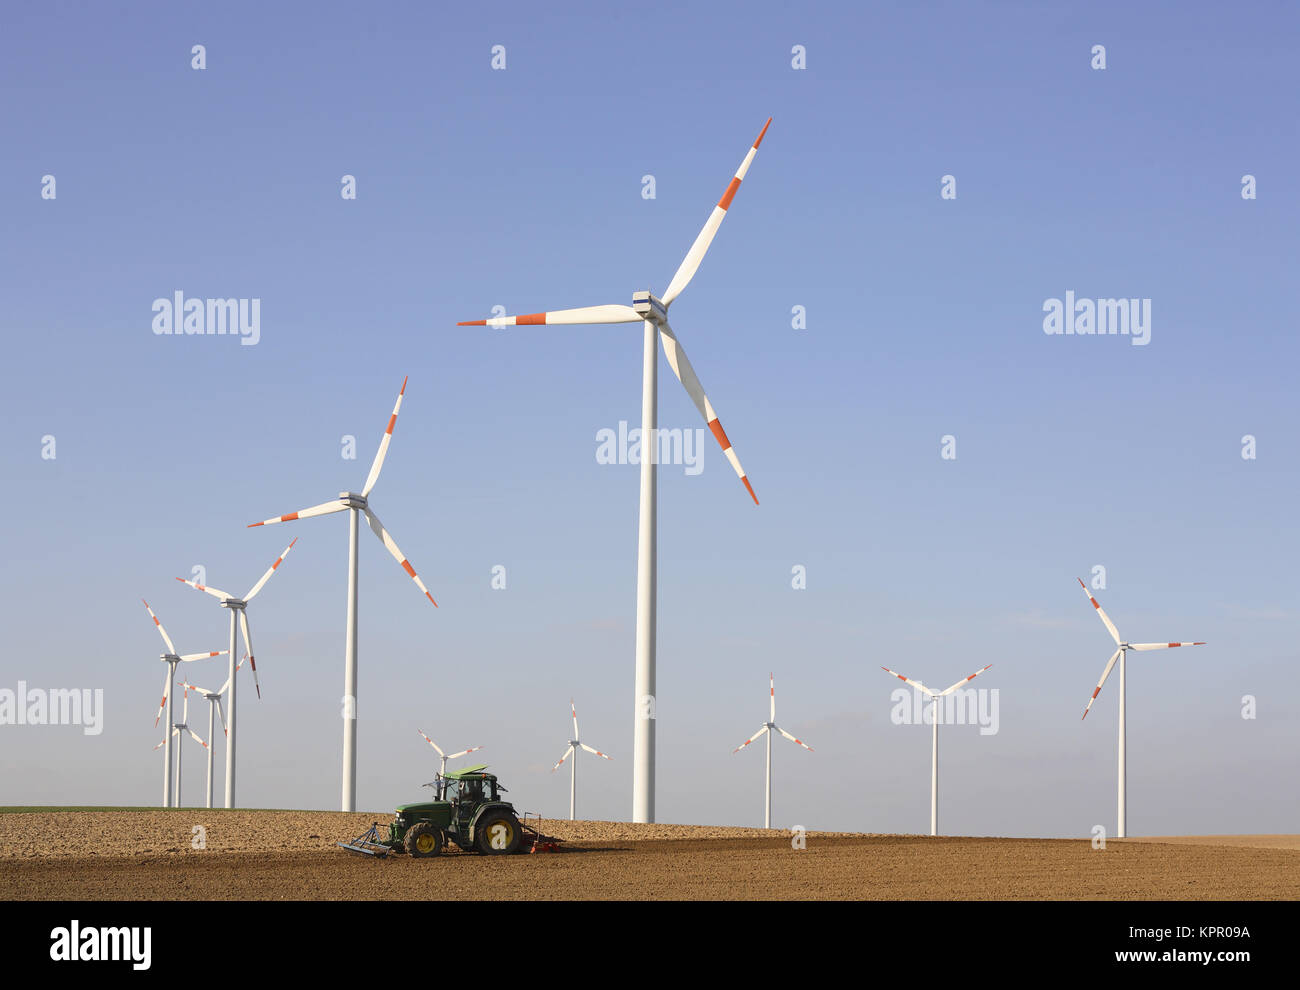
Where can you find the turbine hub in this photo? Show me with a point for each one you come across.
(649, 307)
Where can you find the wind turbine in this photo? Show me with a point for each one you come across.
(213, 699)
(652, 313)
(445, 757)
(934, 751)
(574, 745)
(355, 504)
(184, 723)
(238, 607)
(171, 659)
(1120, 654)
(767, 729)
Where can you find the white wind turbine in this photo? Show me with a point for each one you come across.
(768, 728)
(238, 608)
(180, 747)
(171, 659)
(652, 313)
(445, 757)
(356, 504)
(934, 752)
(572, 750)
(1120, 654)
(213, 698)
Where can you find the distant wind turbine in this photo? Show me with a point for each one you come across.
(238, 607)
(171, 659)
(1120, 654)
(575, 744)
(445, 757)
(934, 752)
(768, 728)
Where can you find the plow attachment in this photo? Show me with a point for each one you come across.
(533, 839)
(368, 843)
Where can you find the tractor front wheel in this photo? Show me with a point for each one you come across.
(498, 834)
(424, 839)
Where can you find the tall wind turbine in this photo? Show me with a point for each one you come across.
(171, 659)
(652, 313)
(768, 728)
(574, 745)
(356, 504)
(934, 751)
(445, 757)
(1120, 654)
(238, 607)
(213, 698)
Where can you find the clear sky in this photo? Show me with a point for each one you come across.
(523, 187)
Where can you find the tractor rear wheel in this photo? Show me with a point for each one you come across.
(424, 839)
(498, 834)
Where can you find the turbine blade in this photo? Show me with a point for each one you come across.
(196, 736)
(1104, 674)
(162, 705)
(161, 744)
(794, 740)
(691, 263)
(324, 509)
(1161, 646)
(398, 556)
(916, 684)
(681, 366)
(269, 571)
(584, 314)
(1101, 612)
(771, 683)
(248, 645)
(191, 657)
(163, 632)
(384, 441)
(557, 766)
(222, 715)
(434, 744)
(576, 733)
(963, 681)
(750, 739)
(464, 752)
(594, 752)
(214, 592)
(194, 687)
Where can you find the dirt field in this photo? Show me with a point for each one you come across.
(117, 855)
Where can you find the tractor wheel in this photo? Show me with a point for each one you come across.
(498, 834)
(423, 839)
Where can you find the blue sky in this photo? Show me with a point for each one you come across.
(523, 188)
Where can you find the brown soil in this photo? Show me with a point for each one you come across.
(115, 855)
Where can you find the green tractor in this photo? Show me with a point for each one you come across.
(467, 809)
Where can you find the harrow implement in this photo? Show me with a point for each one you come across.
(368, 843)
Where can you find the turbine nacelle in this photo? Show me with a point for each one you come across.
(650, 307)
(235, 603)
(353, 500)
